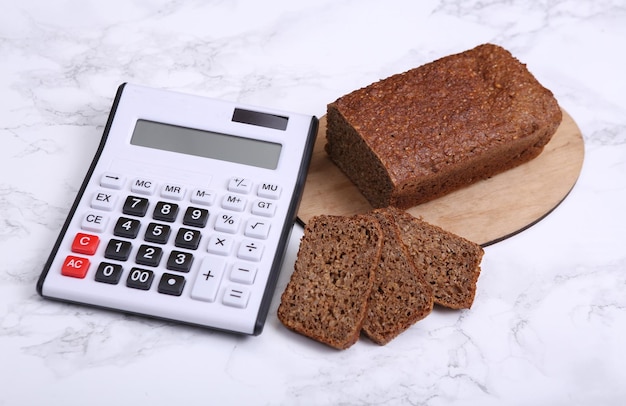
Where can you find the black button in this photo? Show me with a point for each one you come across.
(139, 279)
(165, 212)
(135, 206)
(158, 233)
(109, 273)
(186, 238)
(196, 217)
(118, 250)
(180, 261)
(148, 255)
(127, 228)
(171, 284)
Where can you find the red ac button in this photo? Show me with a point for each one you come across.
(85, 244)
(75, 266)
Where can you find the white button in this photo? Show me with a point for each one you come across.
(227, 223)
(220, 244)
(250, 250)
(207, 282)
(269, 190)
(94, 221)
(103, 201)
(203, 196)
(257, 228)
(243, 272)
(174, 192)
(236, 297)
(264, 208)
(240, 185)
(233, 202)
(112, 180)
(143, 186)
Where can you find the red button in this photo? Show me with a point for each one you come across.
(75, 267)
(85, 244)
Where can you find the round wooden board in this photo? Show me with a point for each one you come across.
(485, 212)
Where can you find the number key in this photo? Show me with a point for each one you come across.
(147, 255)
(109, 273)
(140, 279)
(196, 217)
(118, 250)
(157, 233)
(165, 212)
(180, 261)
(127, 228)
(187, 238)
(135, 206)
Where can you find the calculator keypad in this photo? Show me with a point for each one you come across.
(162, 231)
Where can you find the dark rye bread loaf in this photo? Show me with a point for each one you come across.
(423, 133)
(400, 296)
(450, 263)
(326, 297)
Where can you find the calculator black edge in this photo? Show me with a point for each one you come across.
(81, 191)
(287, 228)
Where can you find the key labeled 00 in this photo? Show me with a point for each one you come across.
(140, 279)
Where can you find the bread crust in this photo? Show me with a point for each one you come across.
(423, 133)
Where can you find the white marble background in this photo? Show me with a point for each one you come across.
(549, 323)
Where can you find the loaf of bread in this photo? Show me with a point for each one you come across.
(326, 297)
(431, 130)
(450, 263)
(400, 296)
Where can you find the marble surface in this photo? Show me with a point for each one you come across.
(548, 325)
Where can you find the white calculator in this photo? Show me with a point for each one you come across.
(185, 212)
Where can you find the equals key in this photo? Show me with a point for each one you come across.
(236, 297)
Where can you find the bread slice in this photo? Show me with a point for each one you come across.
(450, 263)
(326, 297)
(423, 133)
(400, 296)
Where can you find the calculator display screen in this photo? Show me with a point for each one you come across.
(206, 144)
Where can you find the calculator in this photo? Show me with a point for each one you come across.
(185, 212)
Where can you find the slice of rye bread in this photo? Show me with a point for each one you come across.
(400, 296)
(450, 263)
(326, 297)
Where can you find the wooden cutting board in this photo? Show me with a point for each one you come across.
(485, 212)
